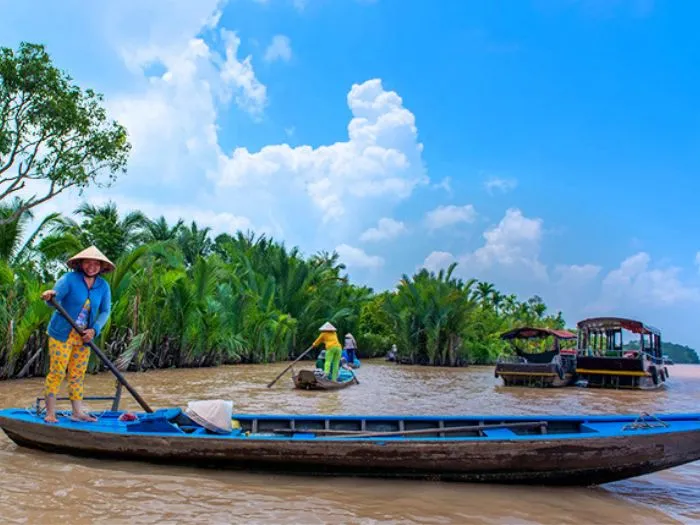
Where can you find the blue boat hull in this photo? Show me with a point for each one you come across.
(581, 450)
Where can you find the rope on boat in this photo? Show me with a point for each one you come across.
(642, 424)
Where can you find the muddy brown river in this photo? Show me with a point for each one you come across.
(39, 487)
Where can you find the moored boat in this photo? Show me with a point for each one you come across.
(604, 361)
(311, 380)
(550, 368)
(562, 450)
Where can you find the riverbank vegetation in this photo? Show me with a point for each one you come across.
(182, 297)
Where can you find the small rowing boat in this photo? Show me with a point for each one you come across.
(549, 450)
(551, 368)
(310, 380)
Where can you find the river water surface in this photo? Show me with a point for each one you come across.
(39, 487)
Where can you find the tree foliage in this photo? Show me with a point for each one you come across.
(53, 135)
(181, 298)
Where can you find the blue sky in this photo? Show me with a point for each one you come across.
(548, 146)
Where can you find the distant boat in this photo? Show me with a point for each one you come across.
(668, 360)
(310, 380)
(603, 361)
(552, 368)
(541, 450)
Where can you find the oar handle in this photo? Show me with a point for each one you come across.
(102, 357)
(290, 366)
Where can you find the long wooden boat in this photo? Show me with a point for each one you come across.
(308, 380)
(562, 450)
(604, 361)
(552, 368)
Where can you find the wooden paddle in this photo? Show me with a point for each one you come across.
(290, 366)
(102, 357)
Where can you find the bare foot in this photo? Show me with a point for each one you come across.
(82, 416)
(50, 419)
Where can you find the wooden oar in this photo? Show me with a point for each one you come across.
(290, 366)
(102, 357)
(417, 432)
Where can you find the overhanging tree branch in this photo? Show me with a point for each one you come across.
(51, 131)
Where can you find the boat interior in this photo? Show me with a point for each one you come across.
(175, 421)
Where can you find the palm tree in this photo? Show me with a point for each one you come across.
(160, 230)
(432, 311)
(14, 248)
(102, 227)
(194, 243)
(484, 291)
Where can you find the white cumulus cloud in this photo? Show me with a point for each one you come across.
(576, 276)
(386, 229)
(514, 243)
(437, 261)
(239, 77)
(279, 49)
(358, 258)
(380, 160)
(636, 281)
(444, 216)
(171, 118)
(497, 183)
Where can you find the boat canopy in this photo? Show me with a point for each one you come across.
(528, 332)
(603, 324)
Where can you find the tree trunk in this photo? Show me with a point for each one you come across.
(31, 360)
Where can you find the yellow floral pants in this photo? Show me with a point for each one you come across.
(71, 357)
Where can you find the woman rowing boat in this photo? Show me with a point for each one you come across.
(88, 299)
(333, 350)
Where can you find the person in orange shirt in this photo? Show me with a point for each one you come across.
(329, 338)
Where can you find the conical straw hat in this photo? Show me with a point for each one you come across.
(91, 253)
(327, 327)
(212, 414)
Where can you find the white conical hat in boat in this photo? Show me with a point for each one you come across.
(327, 327)
(91, 253)
(212, 414)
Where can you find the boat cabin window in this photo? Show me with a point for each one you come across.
(616, 342)
(541, 344)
